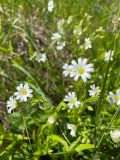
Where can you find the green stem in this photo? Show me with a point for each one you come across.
(25, 125)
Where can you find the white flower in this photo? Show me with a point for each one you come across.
(50, 5)
(81, 69)
(117, 97)
(51, 120)
(23, 92)
(56, 36)
(72, 100)
(60, 24)
(11, 104)
(72, 129)
(68, 70)
(40, 57)
(114, 98)
(94, 91)
(60, 45)
(43, 57)
(115, 135)
(109, 56)
(87, 43)
(110, 98)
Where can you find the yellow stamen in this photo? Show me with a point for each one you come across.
(72, 101)
(23, 91)
(81, 70)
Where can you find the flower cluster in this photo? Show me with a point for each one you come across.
(23, 93)
(78, 69)
(57, 36)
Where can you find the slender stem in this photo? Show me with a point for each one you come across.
(27, 133)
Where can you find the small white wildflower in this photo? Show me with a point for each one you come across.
(23, 92)
(51, 120)
(50, 5)
(115, 135)
(87, 43)
(43, 57)
(60, 45)
(117, 97)
(109, 56)
(94, 91)
(72, 129)
(114, 98)
(81, 69)
(72, 100)
(40, 57)
(110, 98)
(68, 70)
(56, 36)
(119, 19)
(60, 25)
(11, 104)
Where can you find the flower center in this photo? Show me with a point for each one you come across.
(81, 70)
(116, 98)
(72, 101)
(23, 92)
(70, 70)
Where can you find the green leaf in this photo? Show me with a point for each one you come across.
(1, 139)
(16, 121)
(60, 140)
(90, 108)
(10, 146)
(74, 144)
(91, 99)
(41, 93)
(81, 147)
(20, 68)
(60, 106)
